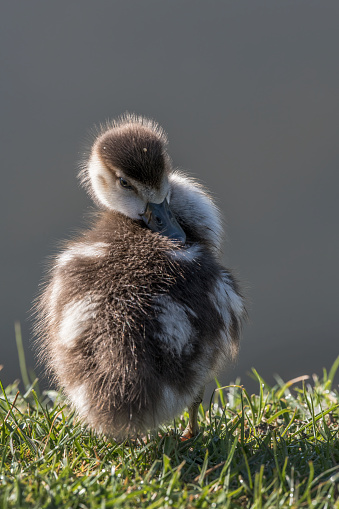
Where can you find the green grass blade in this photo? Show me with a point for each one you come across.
(21, 354)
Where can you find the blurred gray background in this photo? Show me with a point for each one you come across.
(248, 93)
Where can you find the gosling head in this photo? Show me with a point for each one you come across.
(127, 172)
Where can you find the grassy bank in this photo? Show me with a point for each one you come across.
(278, 448)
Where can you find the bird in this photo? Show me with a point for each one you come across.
(137, 313)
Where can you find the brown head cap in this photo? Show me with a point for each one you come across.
(135, 145)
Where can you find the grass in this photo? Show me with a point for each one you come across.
(278, 448)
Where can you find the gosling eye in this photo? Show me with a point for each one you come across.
(124, 183)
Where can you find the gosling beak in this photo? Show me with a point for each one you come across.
(159, 218)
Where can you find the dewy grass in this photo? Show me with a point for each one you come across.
(278, 448)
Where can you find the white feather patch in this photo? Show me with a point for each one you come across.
(225, 300)
(219, 299)
(175, 327)
(75, 317)
(236, 302)
(96, 250)
(79, 399)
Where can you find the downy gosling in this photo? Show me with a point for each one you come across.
(138, 314)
